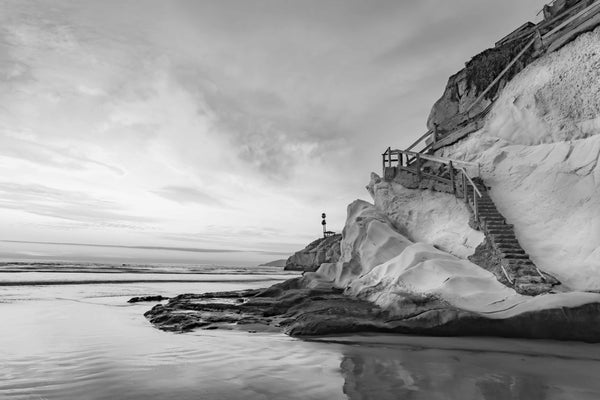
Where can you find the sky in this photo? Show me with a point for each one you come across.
(221, 124)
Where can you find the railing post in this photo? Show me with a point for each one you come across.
(389, 156)
(452, 177)
(418, 161)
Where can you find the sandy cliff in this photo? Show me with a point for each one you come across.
(402, 264)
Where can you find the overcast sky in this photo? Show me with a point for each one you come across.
(216, 124)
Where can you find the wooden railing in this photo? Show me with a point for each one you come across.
(425, 137)
(537, 36)
(445, 170)
(469, 185)
(431, 137)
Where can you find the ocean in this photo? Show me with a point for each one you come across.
(67, 332)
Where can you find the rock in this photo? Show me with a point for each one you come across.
(297, 309)
(147, 298)
(275, 263)
(466, 85)
(323, 250)
(369, 239)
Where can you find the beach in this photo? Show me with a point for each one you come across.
(84, 341)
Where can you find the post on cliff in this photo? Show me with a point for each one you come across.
(324, 223)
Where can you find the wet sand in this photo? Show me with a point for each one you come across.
(86, 342)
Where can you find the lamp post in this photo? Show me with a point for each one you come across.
(324, 223)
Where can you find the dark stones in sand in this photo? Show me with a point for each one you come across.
(300, 310)
(147, 298)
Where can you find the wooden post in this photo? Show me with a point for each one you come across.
(464, 182)
(419, 166)
(389, 156)
(452, 177)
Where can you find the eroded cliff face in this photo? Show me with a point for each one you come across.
(465, 86)
(323, 250)
(432, 217)
(368, 239)
(539, 153)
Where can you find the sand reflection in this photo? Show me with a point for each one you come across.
(406, 372)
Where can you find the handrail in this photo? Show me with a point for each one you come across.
(441, 160)
(501, 74)
(464, 172)
(406, 164)
(506, 275)
(466, 180)
(419, 140)
(527, 46)
(573, 18)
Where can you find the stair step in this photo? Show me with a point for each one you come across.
(500, 231)
(511, 251)
(509, 245)
(493, 219)
(514, 256)
(522, 263)
(498, 227)
(512, 245)
(510, 242)
(498, 224)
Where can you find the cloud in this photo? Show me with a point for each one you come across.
(280, 108)
(68, 205)
(68, 158)
(186, 249)
(186, 195)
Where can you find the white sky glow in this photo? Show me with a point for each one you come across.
(216, 124)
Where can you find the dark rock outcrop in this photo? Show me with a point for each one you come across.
(449, 112)
(275, 263)
(302, 307)
(147, 298)
(323, 250)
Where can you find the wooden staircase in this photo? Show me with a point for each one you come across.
(506, 251)
(417, 167)
(549, 35)
(501, 252)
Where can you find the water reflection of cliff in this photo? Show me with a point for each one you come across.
(404, 373)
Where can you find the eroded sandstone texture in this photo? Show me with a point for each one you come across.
(303, 307)
(323, 250)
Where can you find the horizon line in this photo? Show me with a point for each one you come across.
(168, 248)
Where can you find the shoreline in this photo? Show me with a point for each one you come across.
(307, 308)
(103, 282)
